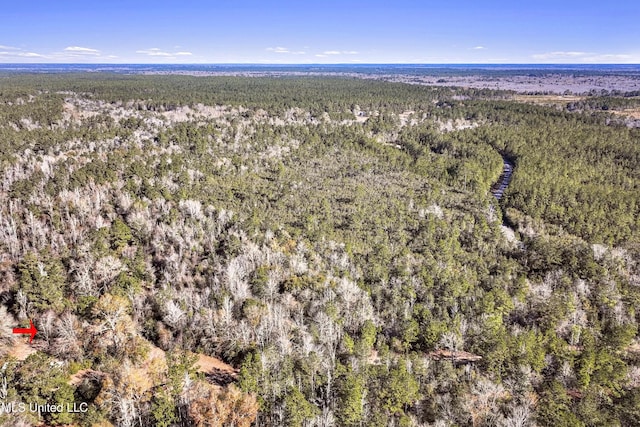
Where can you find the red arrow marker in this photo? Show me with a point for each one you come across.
(31, 331)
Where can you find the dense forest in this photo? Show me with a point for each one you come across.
(332, 243)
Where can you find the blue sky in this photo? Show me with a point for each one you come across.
(247, 31)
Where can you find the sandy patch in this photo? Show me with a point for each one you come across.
(21, 350)
(207, 364)
(559, 100)
(458, 124)
(634, 113)
(77, 378)
(405, 117)
(508, 234)
(156, 362)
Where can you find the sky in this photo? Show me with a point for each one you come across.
(317, 32)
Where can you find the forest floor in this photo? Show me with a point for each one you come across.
(21, 350)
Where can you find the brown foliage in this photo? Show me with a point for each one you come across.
(212, 406)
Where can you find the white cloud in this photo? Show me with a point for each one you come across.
(321, 55)
(158, 53)
(76, 53)
(30, 55)
(81, 50)
(560, 55)
(340, 52)
(67, 54)
(153, 52)
(281, 49)
(21, 55)
(278, 49)
(587, 57)
(10, 53)
(478, 48)
(610, 56)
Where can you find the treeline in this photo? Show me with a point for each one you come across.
(161, 93)
(606, 103)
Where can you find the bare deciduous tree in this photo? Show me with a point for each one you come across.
(7, 322)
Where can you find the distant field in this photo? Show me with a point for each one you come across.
(630, 112)
(560, 100)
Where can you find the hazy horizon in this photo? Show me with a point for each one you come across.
(521, 65)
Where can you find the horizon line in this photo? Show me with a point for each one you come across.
(316, 64)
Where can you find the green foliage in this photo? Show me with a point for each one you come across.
(250, 375)
(628, 408)
(351, 396)
(40, 381)
(98, 171)
(297, 409)
(571, 171)
(298, 283)
(163, 409)
(43, 281)
(121, 234)
(259, 281)
(554, 408)
(324, 249)
(395, 389)
(180, 363)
